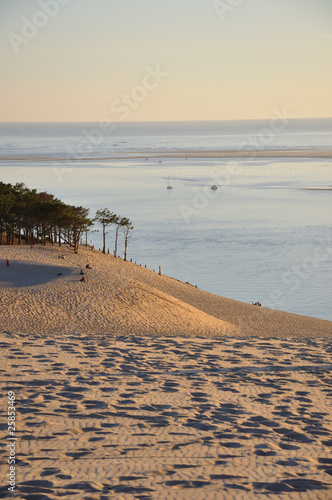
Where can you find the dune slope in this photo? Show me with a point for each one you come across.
(42, 293)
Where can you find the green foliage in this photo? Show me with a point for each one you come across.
(107, 218)
(34, 217)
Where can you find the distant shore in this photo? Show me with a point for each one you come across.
(215, 154)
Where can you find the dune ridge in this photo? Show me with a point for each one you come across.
(135, 385)
(42, 293)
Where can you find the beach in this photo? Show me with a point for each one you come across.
(136, 385)
(166, 250)
(152, 154)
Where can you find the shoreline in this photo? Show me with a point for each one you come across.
(122, 297)
(215, 154)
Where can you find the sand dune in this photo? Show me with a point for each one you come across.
(137, 386)
(112, 301)
(41, 293)
(168, 418)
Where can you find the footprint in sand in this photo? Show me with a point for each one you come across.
(182, 484)
(291, 485)
(50, 471)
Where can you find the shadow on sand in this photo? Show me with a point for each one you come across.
(25, 274)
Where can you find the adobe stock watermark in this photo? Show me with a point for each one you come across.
(224, 7)
(266, 135)
(251, 146)
(292, 280)
(202, 198)
(122, 106)
(130, 101)
(302, 271)
(31, 27)
(11, 442)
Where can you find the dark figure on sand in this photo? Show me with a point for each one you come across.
(88, 266)
(83, 279)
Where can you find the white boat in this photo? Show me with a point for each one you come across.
(168, 185)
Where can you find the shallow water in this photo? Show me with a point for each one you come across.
(262, 236)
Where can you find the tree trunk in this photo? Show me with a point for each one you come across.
(126, 246)
(104, 237)
(116, 241)
(76, 239)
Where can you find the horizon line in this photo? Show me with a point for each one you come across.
(168, 121)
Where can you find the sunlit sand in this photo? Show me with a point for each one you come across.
(135, 385)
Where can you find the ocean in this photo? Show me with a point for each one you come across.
(264, 235)
(76, 140)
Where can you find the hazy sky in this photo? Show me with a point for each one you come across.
(88, 60)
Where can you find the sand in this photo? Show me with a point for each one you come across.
(121, 298)
(135, 385)
(232, 153)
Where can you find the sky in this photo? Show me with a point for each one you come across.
(155, 60)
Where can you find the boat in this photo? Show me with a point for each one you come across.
(214, 187)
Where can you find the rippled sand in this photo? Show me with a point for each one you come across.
(134, 385)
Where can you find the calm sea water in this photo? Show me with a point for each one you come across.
(70, 139)
(265, 234)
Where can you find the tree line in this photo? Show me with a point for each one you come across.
(29, 217)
